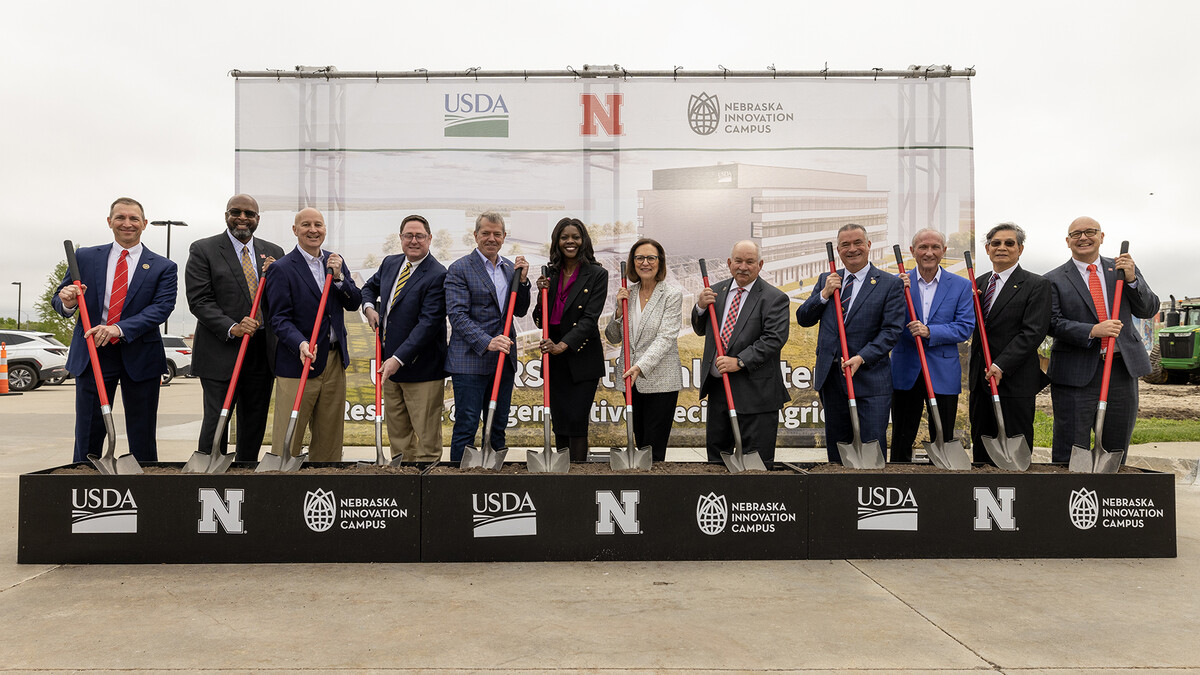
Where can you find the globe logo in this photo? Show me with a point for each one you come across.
(712, 512)
(1085, 508)
(320, 510)
(704, 112)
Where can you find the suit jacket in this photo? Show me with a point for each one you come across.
(292, 296)
(873, 326)
(951, 320)
(218, 296)
(149, 301)
(757, 339)
(654, 340)
(1075, 356)
(414, 329)
(584, 358)
(1016, 326)
(475, 314)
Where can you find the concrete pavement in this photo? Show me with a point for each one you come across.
(944, 616)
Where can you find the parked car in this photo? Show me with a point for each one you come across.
(34, 358)
(179, 358)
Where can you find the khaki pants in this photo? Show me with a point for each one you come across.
(322, 410)
(413, 411)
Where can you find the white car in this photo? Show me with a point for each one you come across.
(34, 358)
(179, 358)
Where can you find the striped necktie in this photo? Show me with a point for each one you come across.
(120, 284)
(248, 271)
(990, 296)
(731, 318)
(847, 293)
(400, 281)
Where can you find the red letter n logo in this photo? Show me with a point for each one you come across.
(608, 116)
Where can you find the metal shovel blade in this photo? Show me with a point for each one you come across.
(738, 461)
(285, 464)
(856, 454)
(214, 461)
(1011, 453)
(554, 460)
(108, 464)
(630, 458)
(484, 458)
(948, 455)
(197, 463)
(1098, 459)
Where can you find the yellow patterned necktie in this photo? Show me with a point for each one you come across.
(248, 271)
(400, 281)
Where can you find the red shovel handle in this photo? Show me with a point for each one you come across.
(837, 304)
(987, 351)
(237, 365)
(378, 375)
(625, 335)
(508, 317)
(912, 316)
(712, 316)
(1112, 341)
(73, 266)
(312, 341)
(545, 336)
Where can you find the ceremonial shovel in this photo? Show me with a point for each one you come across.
(108, 463)
(1011, 453)
(630, 457)
(949, 455)
(485, 457)
(737, 461)
(286, 462)
(1098, 459)
(855, 454)
(548, 459)
(216, 461)
(380, 458)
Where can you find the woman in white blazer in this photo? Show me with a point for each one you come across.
(655, 317)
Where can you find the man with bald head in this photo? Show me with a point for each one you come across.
(222, 275)
(1081, 316)
(293, 295)
(752, 317)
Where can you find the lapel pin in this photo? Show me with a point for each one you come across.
(145, 266)
(872, 282)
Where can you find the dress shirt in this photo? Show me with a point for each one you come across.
(386, 299)
(316, 265)
(1001, 279)
(499, 278)
(729, 300)
(926, 291)
(114, 254)
(237, 253)
(860, 278)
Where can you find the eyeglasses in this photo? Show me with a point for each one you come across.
(413, 236)
(996, 243)
(240, 213)
(1089, 233)
(645, 258)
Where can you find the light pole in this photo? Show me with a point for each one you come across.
(168, 224)
(18, 285)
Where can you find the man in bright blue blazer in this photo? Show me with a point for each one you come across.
(945, 317)
(407, 299)
(128, 343)
(293, 294)
(478, 289)
(874, 320)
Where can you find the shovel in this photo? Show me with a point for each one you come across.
(286, 462)
(216, 461)
(1011, 453)
(948, 455)
(737, 461)
(108, 463)
(1099, 459)
(630, 457)
(380, 458)
(486, 457)
(855, 454)
(548, 459)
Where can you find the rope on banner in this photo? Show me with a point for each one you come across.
(877, 71)
(573, 72)
(825, 71)
(725, 72)
(476, 73)
(772, 69)
(422, 70)
(675, 73)
(474, 70)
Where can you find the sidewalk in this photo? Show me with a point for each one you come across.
(874, 616)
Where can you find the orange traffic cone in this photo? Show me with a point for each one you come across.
(4, 372)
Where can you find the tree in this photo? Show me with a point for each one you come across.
(50, 320)
(958, 242)
(442, 241)
(370, 262)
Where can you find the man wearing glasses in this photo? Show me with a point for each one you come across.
(406, 300)
(1016, 311)
(1082, 315)
(221, 278)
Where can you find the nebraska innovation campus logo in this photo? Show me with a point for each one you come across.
(704, 112)
(475, 115)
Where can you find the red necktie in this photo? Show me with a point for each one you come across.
(1097, 293)
(731, 318)
(120, 284)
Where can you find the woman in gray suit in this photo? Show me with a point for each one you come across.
(655, 315)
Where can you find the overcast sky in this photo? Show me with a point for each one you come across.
(1079, 108)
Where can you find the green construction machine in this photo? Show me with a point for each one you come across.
(1175, 357)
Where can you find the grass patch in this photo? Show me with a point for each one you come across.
(1147, 430)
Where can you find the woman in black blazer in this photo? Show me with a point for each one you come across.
(578, 287)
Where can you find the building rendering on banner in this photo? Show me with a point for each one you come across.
(701, 211)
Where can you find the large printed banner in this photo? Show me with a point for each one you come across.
(696, 163)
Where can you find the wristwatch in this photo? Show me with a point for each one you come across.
(741, 363)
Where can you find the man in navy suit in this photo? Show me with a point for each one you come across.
(478, 287)
(1079, 325)
(874, 316)
(410, 292)
(129, 291)
(293, 293)
(945, 317)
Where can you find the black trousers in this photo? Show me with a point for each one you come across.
(759, 430)
(1018, 419)
(906, 418)
(653, 415)
(1075, 412)
(250, 402)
